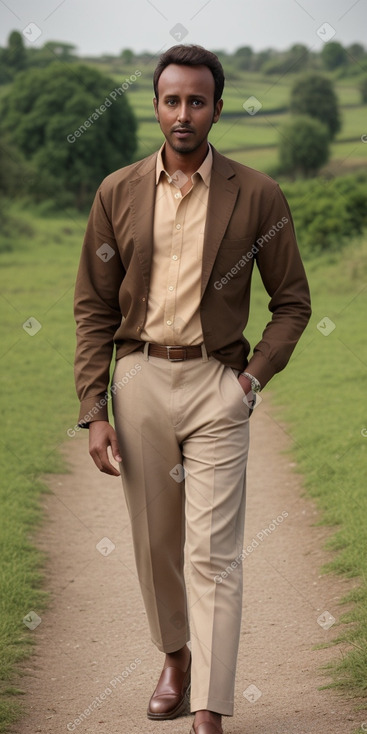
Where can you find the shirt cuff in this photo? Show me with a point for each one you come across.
(93, 409)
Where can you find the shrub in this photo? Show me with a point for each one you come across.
(304, 146)
(328, 213)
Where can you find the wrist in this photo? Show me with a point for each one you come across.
(245, 383)
(254, 382)
(98, 423)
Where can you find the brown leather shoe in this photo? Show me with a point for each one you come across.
(206, 727)
(171, 697)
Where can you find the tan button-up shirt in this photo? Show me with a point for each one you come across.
(179, 221)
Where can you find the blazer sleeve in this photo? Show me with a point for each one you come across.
(97, 313)
(283, 275)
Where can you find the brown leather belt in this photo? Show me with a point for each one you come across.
(174, 354)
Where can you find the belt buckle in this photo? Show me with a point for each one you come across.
(176, 359)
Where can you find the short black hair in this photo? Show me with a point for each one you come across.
(186, 55)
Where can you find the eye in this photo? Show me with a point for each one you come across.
(171, 102)
(197, 102)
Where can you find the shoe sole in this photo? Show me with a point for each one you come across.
(183, 709)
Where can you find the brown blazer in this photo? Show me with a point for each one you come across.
(248, 219)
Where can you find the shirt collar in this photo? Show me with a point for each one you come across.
(204, 171)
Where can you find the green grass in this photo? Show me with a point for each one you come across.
(322, 398)
(38, 405)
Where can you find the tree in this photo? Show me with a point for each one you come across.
(243, 57)
(16, 55)
(333, 55)
(314, 95)
(6, 74)
(356, 51)
(304, 146)
(15, 173)
(294, 60)
(261, 58)
(63, 51)
(73, 124)
(127, 56)
(13, 58)
(298, 56)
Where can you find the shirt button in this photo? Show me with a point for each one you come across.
(143, 299)
(177, 196)
(168, 323)
(178, 226)
(174, 257)
(170, 288)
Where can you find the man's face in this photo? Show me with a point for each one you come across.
(185, 110)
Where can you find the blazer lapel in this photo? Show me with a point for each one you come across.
(142, 199)
(222, 198)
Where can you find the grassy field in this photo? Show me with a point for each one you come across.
(38, 405)
(253, 140)
(321, 395)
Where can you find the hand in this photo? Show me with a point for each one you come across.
(101, 436)
(245, 383)
(247, 389)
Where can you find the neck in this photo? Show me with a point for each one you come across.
(188, 163)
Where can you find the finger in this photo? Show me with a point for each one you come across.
(108, 468)
(102, 462)
(115, 451)
(116, 456)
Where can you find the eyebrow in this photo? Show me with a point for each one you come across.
(190, 96)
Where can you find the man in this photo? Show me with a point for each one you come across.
(165, 275)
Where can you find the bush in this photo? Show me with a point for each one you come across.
(313, 94)
(304, 146)
(328, 213)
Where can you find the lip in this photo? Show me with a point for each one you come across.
(182, 133)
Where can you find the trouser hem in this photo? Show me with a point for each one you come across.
(219, 707)
(172, 646)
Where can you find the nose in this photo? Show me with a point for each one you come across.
(184, 113)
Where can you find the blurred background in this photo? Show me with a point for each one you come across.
(76, 103)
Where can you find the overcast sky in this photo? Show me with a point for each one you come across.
(108, 26)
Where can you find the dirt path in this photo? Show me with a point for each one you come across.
(93, 649)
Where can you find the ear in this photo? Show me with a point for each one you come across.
(217, 110)
(155, 104)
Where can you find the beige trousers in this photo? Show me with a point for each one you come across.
(182, 429)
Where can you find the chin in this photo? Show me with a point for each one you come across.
(182, 147)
